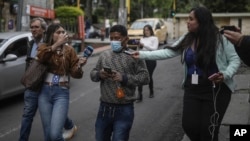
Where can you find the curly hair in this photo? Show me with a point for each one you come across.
(120, 29)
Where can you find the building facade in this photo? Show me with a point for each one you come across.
(15, 15)
(242, 20)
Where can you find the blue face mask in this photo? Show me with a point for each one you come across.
(116, 46)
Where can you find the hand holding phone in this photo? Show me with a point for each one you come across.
(213, 76)
(231, 28)
(128, 52)
(108, 70)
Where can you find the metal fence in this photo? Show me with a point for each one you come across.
(70, 24)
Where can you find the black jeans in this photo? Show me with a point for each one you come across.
(151, 64)
(198, 109)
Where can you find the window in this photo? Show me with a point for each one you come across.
(19, 47)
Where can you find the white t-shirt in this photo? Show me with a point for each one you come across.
(107, 25)
(150, 43)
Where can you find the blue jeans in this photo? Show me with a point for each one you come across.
(114, 121)
(30, 108)
(53, 107)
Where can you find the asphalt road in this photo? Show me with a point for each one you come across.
(156, 119)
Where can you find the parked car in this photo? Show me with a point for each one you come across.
(13, 51)
(135, 32)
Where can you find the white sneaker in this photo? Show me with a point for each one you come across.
(68, 134)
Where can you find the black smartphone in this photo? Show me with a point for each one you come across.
(108, 70)
(213, 76)
(227, 27)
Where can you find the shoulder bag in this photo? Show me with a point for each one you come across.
(34, 76)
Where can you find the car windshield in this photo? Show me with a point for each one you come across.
(2, 41)
(141, 24)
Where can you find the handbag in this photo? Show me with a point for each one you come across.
(33, 77)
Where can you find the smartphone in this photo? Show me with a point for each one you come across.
(128, 52)
(213, 76)
(108, 70)
(228, 27)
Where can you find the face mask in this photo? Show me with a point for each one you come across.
(116, 46)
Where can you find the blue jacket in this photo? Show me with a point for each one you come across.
(227, 59)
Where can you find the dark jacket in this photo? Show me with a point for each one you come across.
(29, 49)
(244, 50)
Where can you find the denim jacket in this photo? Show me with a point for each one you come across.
(227, 59)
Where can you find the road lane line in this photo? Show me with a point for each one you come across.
(2, 135)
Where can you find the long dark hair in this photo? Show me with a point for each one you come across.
(207, 39)
(49, 33)
(149, 28)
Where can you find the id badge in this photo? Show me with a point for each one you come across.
(194, 78)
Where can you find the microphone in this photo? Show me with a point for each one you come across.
(88, 51)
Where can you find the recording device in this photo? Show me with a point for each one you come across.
(232, 28)
(108, 70)
(213, 76)
(88, 51)
(128, 52)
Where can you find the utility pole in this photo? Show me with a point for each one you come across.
(19, 15)
(78, 3)
(174, 20)
(128, 11)
(122, 15)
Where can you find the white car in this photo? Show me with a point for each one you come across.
(13, 51)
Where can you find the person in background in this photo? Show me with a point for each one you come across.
(107, 27)
(53, 100)
(118, 74)
(87, 27)
(56, 21)
(205, 53)
(241, 43)
(37, 28)
(148, 42)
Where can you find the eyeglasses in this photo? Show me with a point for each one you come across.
(34, 27)
(60, 32)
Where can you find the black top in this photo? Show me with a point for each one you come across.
(244, 50)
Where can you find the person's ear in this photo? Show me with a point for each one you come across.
(126, 39)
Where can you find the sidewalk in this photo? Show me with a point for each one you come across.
(104, 45)
(238, 111)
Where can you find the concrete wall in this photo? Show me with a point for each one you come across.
(179, 27)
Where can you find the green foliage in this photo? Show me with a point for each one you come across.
(100, 12)
(68, 11)
(59, 3)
